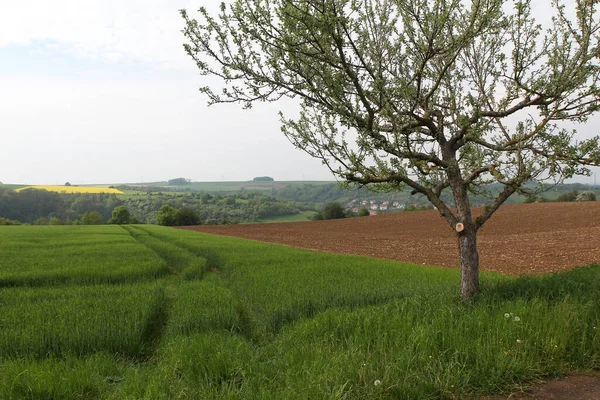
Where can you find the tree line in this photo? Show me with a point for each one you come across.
(34, 206)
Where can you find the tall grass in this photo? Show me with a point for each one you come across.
(45, 322)
(202, 307)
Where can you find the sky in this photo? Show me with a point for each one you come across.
(101, 91)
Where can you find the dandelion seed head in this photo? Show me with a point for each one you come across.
(377, 382)
(518, 341)
(506, 315)
(517, 319)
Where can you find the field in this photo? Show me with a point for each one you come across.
(302, 216)
(146, 312)
(230, 186)
(73, 189)
(528, 238)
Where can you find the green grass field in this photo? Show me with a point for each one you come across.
(146, 312)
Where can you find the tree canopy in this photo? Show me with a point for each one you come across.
(439, 95)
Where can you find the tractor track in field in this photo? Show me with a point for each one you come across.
(518, 239)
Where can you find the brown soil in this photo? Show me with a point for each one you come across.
(518, 239)
(524, 238)
(579, 387)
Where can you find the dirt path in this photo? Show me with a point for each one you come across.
(523, 238)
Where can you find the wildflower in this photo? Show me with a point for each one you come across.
(377, 382)
(430, 357)
(506, 315)
(517, 319)
(518, 341)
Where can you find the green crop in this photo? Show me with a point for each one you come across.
(146, 312)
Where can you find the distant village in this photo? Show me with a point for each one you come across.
(375, 206)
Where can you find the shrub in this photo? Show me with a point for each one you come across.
(586, 196)
(570, 196)
(363, 212)
(318, 216)
(6, 221)
(41, 221)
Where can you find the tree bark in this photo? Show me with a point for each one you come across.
(466, 233)
(469, 263)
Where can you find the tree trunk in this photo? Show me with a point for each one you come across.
(469, 262)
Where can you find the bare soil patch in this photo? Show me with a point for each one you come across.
(518, 239)
(576, 387)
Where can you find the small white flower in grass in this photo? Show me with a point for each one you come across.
(517, 319)
(506, 315)
(377, 382)
(518, 341)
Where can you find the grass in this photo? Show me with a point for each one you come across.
(240, 319)
(38, 323)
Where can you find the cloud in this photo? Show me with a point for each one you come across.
(109, 30)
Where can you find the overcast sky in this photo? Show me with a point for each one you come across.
(101, 91)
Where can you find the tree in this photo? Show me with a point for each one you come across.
(120, 216)
(333, 210)
(263, 179)
(179, 181)
(91, 218)
(187, 217)
(169, 216)
(166, 216)
(443, 96)
(67, 184)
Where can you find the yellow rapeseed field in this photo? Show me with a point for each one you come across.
(73, 189)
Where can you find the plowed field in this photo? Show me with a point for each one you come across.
(523, 238)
